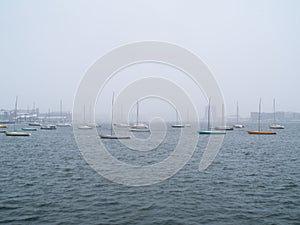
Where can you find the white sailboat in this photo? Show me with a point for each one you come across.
(238, 124)
(209, 130)
(274, 125)
(259, 132)
(84, 126)
(139, 127)
(223, 127)
(16, 133)
(125, 125)
(177, 124)
(187, 120)
(62, 122)
(112, 136)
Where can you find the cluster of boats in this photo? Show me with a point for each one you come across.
(223, 129)
(31, 127)
(142, 127)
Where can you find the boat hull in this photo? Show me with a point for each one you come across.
(17, 134)
(34, 124)
(63, 125)
(211, 132)
(139, 130)
(178, 126)
(50, 127)
(238, 126)
(85, 127)
(29, 129)
(224, 128)
(276, 126)
(262, 132)
(113, 137)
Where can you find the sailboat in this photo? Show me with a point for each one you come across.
(177, 125)
(84, 126)
(62, 122)
(139, 127)
(209, 130)
(112, 136)
(16, 133)
(223, 127)
(274, 125)
(122, 124)
(187, 120)
(259, 132)
(238, 125)
(29, 129)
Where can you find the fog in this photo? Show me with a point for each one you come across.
(252, 48)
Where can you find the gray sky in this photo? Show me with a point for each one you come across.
(252, 47)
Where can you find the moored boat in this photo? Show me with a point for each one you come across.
(138, 126)
(36, 124)
(177, 124)
(259, 132)
(16, 133)
(238, 124)
(48, 127)
(274, 125)
(84, 127)
(212, 132)
(29, 129)
(262, 132)
(209, 129)
(112, 135)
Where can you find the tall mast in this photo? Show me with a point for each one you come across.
(208, 115)
(259, 114)
(61, 110)
(90, 116)
(188, 116)
(112, 113)
(274, 113)
(84, 113)
(223, 115)
(137, 112)
(177, 117)
(16, 108)
(237, 112)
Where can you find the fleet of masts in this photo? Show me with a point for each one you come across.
(139, 126)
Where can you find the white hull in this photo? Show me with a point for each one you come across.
(139, 130)
(276, 126)
(114, 137)
(85, 127)
(238, 126)
(14, 133)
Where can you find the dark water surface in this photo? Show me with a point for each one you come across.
(254, 180)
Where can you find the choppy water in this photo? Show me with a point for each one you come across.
(253, 180)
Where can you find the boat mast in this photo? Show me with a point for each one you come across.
(208, 115)
(259, 114)
(188, 116)
(16, 108)
(112, 113)
(61, 111)
(237, 112)
(223, 115)
(84, 113)
(16, 113)
(90, 116)
(274, 113)
(137, 112)
(177, 122)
